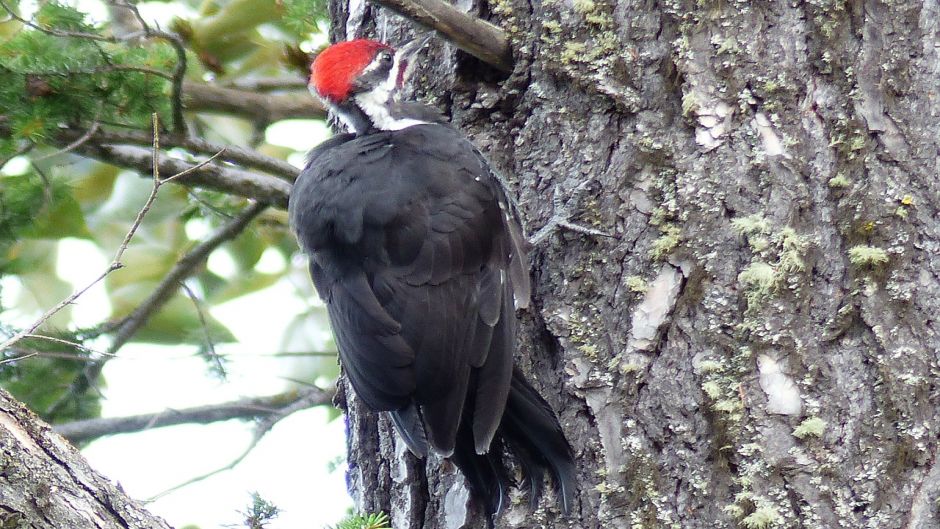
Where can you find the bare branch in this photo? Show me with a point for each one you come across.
(115, 263)
(59, 306)
(213, 176)
(477, 37)
(268, 84)
(239, 155)
(308, 400)
(264, 108)
(162, 293)
(251, 408)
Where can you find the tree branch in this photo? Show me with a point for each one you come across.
(116, 263)
(477, 37)
(174, 40)
(265, 108)
(213, 176)
(234, 154)
(46, 483)
(264, 426)
(250, 408)
(268, 84)
(161, 294)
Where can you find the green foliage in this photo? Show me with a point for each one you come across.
(31, 207)
(364, 521)
(303, 16)
(51, 79)
(260, 512)
(44, 379)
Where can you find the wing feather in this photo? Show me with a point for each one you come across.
(418, 255)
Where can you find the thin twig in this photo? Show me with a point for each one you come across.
(128, 326)
(19, 152)
(69, 343)
(43, 354)
(210, 345)
(78, 142)
(18, 358)
(251, 408)
(116, 263)
(59, 306)
(309, 399)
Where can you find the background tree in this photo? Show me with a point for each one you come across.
(756, 347)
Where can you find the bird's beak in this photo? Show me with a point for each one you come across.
(406, 55)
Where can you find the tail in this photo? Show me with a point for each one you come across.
(531, 432)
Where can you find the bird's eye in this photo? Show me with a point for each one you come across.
(386, 57)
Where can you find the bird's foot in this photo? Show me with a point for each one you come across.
(561, 217)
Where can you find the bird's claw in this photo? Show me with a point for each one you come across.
(561, 217)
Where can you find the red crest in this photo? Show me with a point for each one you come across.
(334, 68)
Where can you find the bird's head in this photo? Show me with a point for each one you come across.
(361, 81)
(349, 69)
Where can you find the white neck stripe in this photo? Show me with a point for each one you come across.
(374, 104)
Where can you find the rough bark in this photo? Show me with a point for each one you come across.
(759, 347)
(46, 484)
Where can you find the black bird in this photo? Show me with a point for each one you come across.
(419, 256)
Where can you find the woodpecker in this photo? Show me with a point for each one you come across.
(420, 258)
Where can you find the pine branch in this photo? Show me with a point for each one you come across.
(173, 39)
(250, 408)
(477, 37)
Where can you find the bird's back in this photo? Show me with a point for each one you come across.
(411, 250)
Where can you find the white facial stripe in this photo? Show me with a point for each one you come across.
(375, 104)
(374, 65)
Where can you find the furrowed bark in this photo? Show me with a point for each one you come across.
(46, 484)
(758, 347)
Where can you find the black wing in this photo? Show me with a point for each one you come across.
(418, 255)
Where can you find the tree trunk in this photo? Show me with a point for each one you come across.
(758, 346)
(46, 484)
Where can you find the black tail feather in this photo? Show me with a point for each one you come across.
(534, 437)
(485, 473)
(530, 425)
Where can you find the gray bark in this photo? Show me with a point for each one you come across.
(46, 484)
(759, 347)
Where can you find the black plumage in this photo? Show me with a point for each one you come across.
(420, 259)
